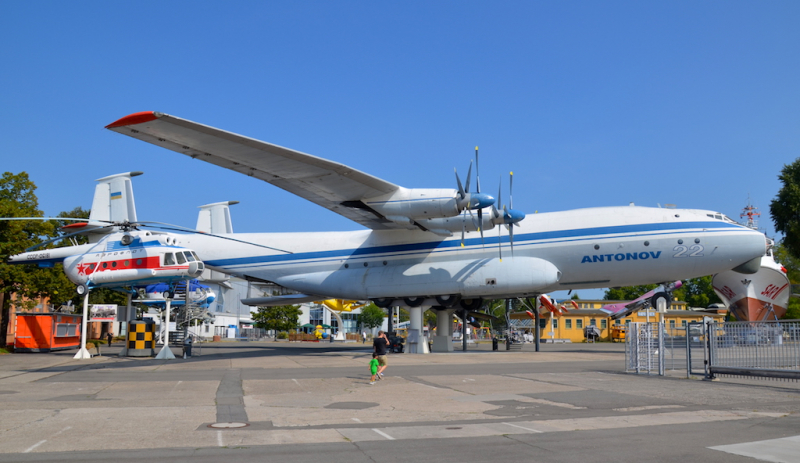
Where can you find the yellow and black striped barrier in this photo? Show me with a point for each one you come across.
(141, 338)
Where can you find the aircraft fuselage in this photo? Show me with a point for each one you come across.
(578, 249)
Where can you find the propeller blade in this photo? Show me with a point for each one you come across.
(480, 224)
(500, 242)
(499, 228)
(161, 226)
(511, 190)
(469, 176)
(463, 227)
(59, 238)
(477, 172)
(461, 193)
(511, 238)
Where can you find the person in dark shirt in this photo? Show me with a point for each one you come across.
(379, 346)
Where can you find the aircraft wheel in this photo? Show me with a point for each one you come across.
(81, 289)
(654, 299)
(471, 304)
(383, 302)
(448, 300)
(414, 301)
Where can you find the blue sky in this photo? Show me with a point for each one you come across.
(589, 103)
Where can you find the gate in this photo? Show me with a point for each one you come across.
(653, 348)
(755, 349)
(644, 348)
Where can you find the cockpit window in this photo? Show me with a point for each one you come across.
(189, 256)
(181, 259)
(195, 256)
(169, 259)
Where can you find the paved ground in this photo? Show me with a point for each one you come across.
(312, 402)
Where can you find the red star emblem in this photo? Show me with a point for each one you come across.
(83, 269)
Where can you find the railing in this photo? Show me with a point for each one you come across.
(757, 349)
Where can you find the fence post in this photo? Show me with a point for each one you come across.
(707, 327)
(661, 353)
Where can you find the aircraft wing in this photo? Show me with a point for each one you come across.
(332, 185)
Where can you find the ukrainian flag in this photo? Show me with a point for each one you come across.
(117, 195)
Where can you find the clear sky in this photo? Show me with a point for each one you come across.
(589, 103)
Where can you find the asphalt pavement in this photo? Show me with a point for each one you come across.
(281, 401)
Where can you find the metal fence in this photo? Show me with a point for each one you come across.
(757, 349)
(753, 349)
(644, 348)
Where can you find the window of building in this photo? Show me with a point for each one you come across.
(568, 323)
(672, 324)
(579, 323)
(603, 324)
(593, 322)
(555, 323)
(683, 323)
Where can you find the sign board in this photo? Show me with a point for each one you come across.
(103, 313)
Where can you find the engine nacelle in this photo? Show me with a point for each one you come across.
(416, 203)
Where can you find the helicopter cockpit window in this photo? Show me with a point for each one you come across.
(169, 259)
(195, 256)
(189, 256)
(181, 259)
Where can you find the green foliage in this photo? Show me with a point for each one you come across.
(785, 208)
(283, 335)
(792, 266)
(627, 293)
(371, 316)
(280, 318)
(430, 319)
(696, 292)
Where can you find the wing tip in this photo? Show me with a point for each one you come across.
(135, 118)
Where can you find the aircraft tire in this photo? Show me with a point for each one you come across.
(655, 297)
(448, 300)
(414, 301)
(471, 304)
(81, 289)
(383, 302)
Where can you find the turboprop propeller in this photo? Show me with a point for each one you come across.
(509, 217)
(471, 201)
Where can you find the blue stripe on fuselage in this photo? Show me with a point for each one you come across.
(438, 246)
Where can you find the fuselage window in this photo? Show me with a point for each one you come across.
(169, 259)
(127, 263)
(105, 264)
(138, 262)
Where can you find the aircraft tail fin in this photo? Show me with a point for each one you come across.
(216, 218)
(113, 199)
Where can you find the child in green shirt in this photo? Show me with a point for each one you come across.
(373, 367)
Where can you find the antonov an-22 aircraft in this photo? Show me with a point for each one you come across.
(413, 252)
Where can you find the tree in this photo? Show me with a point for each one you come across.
(17, 199)
(371, 316)
(696, 292)
(785, 208)
(627, 293)
(279, 318)
(792, 266)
